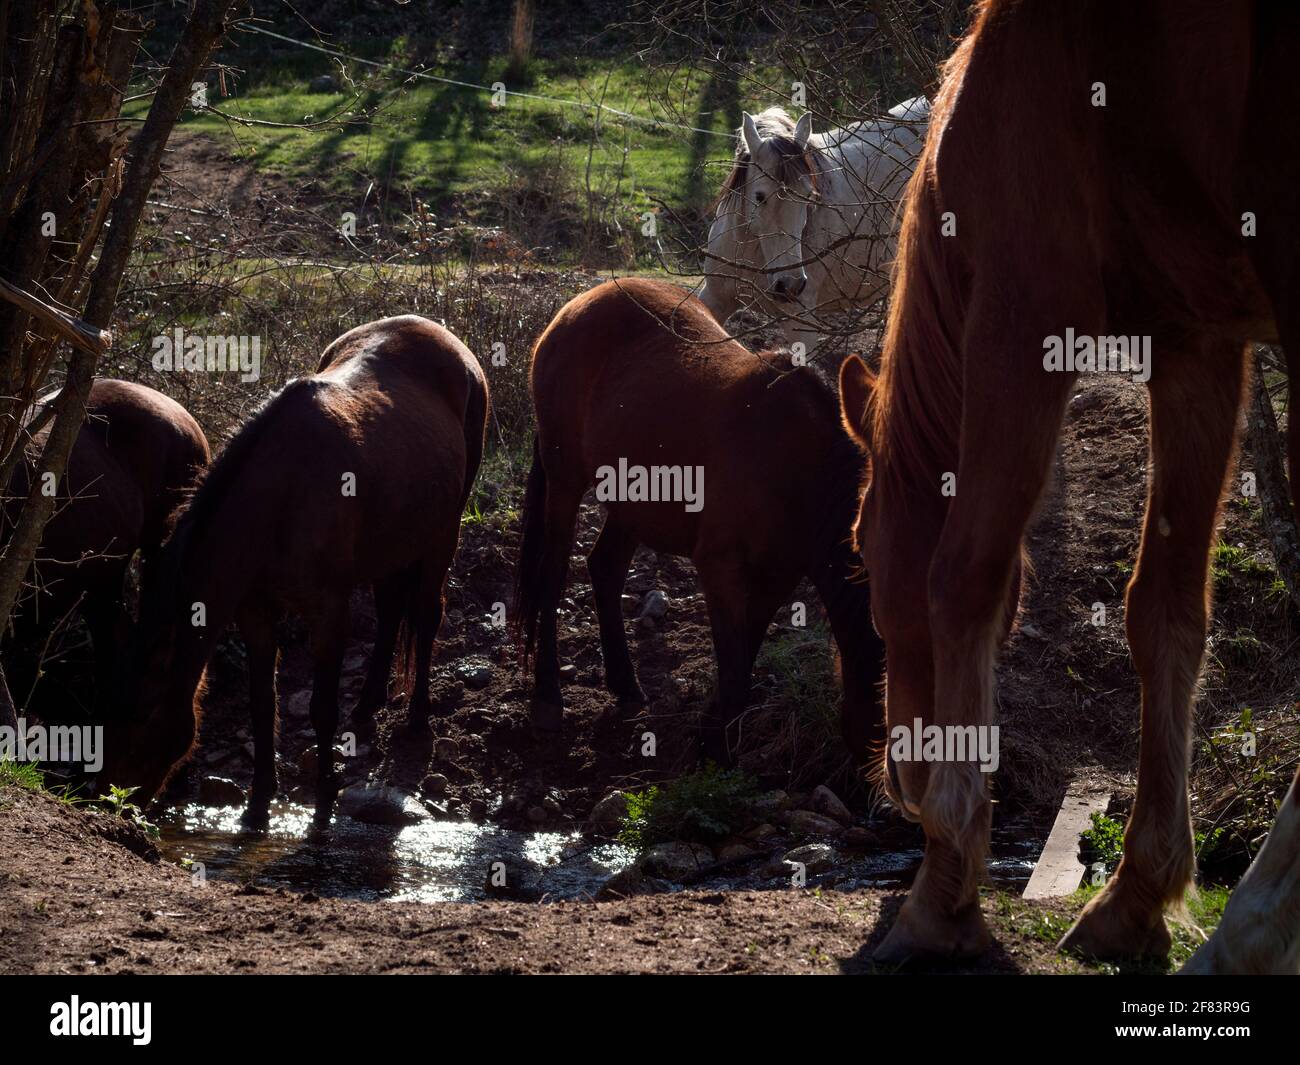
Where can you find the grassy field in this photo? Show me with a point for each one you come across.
(448, 142)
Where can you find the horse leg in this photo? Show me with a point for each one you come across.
(428, 619)
(258, 630)
(1193, 431)
(970, 584)
(329, 632)
(561, 515)
(390, 594)
(741, 606)
(608, 565)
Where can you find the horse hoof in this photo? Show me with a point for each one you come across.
(1102, 933)
(918, 937)
(546, 716)
(256, 819)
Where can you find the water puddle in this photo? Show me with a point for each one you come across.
(449, 861)
(434, 861)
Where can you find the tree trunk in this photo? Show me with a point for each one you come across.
(1265, 443)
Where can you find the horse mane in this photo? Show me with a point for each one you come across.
(914, 414)
(210, 490)
(777, 128)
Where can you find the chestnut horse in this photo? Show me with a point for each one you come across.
(357, 473)
(638, 373)
(1085, 171)
(133, 460)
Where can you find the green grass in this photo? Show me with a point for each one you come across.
(449, 141)
(25, 775)
(702, 807)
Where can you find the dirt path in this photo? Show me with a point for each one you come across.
(74, 899)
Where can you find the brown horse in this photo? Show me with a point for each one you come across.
(1084, 172)
(357, 473)
(637, 373)
(136, 456)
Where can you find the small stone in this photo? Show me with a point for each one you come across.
(512, 878)
(771, 802)
(736, 850)
(654, 605)
(308, 761)
(537, 815)
(324, 83)
(825, 802)
(628, 882)
(220, 791)
(676, 861)
(814, 857)
(807, 823)
(434, 786)
(476, 675)
(381, 805)
(859, 839)
(761, 832)
(1084, 401)
(606, 817)
(569, 672)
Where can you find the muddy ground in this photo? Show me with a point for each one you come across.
(82, 902)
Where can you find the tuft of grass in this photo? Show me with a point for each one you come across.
(118, 801)
(1103, 842)
(701, 807)
(28, 777)
(25, 775)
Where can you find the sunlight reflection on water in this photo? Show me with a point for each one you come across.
(435, 861)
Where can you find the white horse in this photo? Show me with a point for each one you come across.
(1259, 932)
(806, 222)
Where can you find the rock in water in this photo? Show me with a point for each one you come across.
(220, 791)
(814, 857)
(513, 878)
(606, 817)
(378, 804)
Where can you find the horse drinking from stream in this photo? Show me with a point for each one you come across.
(741, 466)
(358, 473)
(134, 459)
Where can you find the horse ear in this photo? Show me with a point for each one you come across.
(803, 129)
(749, 130)
(857, 382)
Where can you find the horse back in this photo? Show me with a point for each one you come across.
(638, 371)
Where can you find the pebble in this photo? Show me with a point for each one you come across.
(825, 802)
(220, 791)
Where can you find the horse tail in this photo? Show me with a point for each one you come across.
(528, 572)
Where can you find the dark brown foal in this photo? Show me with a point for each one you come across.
(761, 486)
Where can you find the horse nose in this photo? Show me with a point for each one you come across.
(789, 286)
